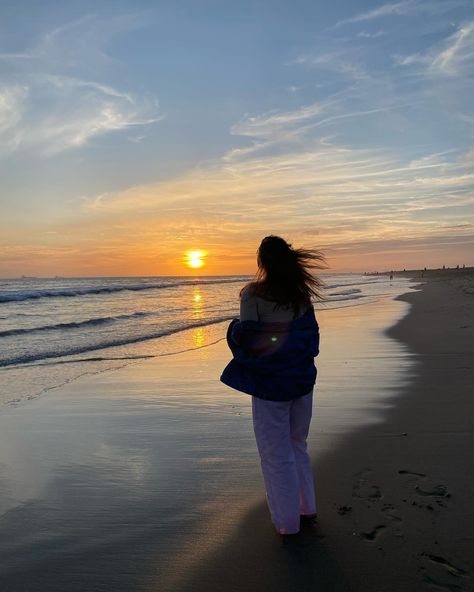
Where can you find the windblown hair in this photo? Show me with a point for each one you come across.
(285, 275)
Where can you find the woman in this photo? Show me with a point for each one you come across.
(274, 344)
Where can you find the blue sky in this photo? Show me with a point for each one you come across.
(134, 130)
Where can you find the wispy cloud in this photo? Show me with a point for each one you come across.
(371, 35)
(9, 56)
(269, 125)
(349, 201)
(339, 61)
(405, 8)
(81, 43)
(271, 129)
(11, 100)
(346, 194)
(294, 182)
(44, 108)
(450, 57)
(395, 8)
(57, 113)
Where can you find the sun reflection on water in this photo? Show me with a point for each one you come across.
(197, 303)
(199, 333)
(199, 337)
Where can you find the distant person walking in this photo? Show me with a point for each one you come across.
(273, 345)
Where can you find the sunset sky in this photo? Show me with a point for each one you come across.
(134, 132)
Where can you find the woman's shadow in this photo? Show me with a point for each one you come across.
(255, 558)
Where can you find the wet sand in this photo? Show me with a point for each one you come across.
(147, 478)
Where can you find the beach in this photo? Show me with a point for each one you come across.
(146, 477)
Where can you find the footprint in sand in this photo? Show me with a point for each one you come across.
(390, 511)
(439, 492)
(450, 568)
(344, 510)
(362, 489)
(441, 585)
(373, 534)
(444, 568)
(413, 473)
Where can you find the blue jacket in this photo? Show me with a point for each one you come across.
(273, 361)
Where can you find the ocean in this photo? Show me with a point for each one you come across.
(54, 330)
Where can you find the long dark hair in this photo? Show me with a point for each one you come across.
(284, 274)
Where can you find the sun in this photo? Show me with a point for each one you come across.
(194, 259)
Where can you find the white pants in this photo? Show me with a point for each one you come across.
(281, 429)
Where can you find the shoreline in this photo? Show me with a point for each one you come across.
(374, 482)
